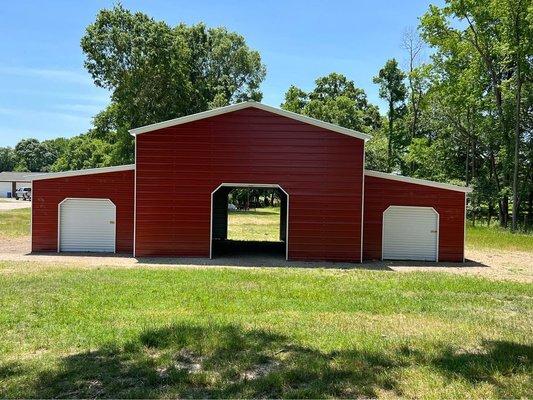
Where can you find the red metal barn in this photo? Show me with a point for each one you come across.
(173, 201)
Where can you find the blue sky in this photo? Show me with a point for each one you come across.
(45, 92)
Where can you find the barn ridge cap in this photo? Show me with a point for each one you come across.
(417, 181)
(248, 104)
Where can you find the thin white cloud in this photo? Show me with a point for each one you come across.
(18, 112)
(102, 98)
(91, 109)
(61, 75)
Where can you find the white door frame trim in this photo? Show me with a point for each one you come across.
(90, 199)
(409, 207)
(249, 185)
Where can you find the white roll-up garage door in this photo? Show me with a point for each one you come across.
(410, 233)
(87, 225)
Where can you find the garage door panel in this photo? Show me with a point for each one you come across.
(87, 225)
(410, 233)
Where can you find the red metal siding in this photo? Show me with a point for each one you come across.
(381, 193)
(48, 193)
(321, 170)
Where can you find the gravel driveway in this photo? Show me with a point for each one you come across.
(491, 264)
(12, 204)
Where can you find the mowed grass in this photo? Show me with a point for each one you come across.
(215, 332)
(261, 224)
(147, 332)
(494, 237)
(15, 223)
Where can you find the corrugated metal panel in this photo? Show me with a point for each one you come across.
(87, 225)
(381, 193)
(320, 169)
(47, 194)
(410, 233)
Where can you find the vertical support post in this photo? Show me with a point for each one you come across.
(282, 216)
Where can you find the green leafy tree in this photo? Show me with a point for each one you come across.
(34, 156)
(157, 72)
(487, 46)
(376, 152)
(83, 152)
(7, 159)
(392, 88)
(335, 99)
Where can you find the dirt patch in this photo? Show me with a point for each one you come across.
(490, 263)
(19, 245)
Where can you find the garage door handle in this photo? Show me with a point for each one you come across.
(433, 231)
(112, 222)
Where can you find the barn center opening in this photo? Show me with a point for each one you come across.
(249, 220)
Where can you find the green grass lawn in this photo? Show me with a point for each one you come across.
(208, 332)
(75, 331)
(15, 223)
(261, 224)
(494, 237)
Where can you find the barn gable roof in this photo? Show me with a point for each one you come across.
(417, 181)
(80, 172)
(249, 104)
(19, 176)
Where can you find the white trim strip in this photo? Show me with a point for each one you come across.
(248, 104)
(417, 181)
(250, 185)
(81, 172)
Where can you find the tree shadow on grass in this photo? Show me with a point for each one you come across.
(220, 362)
(227, 361)
(494, 362)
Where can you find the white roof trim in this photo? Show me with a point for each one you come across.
(247, 104)
(416, 181)
(81, 172)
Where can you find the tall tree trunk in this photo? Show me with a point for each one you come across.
(473, 175)
(505, 210)
(517, 122)
(503, 201)
(467, 180)
(529, 223)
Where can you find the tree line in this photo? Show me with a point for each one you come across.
(463, 114)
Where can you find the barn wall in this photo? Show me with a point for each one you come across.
(321, 170)
(48, 193)
(381, 193)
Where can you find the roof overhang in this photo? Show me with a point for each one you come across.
(417, 181)
(249, 104)
(81, 172)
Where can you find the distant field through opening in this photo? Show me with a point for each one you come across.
(249, 220)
